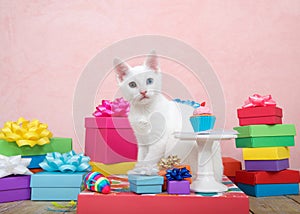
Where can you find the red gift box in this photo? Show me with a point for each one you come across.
(265, 177)
(110, 140)
(234, 201)
(259, 115)
(231, 166)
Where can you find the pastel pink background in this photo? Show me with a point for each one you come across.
(253, 46)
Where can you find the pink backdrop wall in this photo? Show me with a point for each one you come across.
(253, 46)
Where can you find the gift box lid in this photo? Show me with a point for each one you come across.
(56, 144)
(264, 177)
(263, 111)
(107, 122)
(57, 179)
(14, 182)
(266, 130)
(145, 180)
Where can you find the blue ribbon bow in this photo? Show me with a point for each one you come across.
(187, 102)
(178, 174)
(67, 162)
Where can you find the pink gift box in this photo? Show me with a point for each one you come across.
(110, 140)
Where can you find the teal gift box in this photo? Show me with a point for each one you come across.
(144, 184)
(56, 185)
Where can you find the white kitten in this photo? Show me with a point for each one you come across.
(154, 118)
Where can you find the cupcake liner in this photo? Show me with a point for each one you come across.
(202, 123)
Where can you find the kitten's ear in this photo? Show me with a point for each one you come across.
(152, 61)
(121, 68)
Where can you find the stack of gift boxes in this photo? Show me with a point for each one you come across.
(28, 145)
(265, 142)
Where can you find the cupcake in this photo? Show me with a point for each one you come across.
(202, 119)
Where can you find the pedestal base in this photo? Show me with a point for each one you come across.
(207, 184)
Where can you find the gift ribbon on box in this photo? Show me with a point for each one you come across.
(25, 132)
(14, 165)
(259, 101)
(169, 162)
(177, 174)
(67, 162)
(117, 108)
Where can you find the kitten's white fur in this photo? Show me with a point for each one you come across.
(153, 117)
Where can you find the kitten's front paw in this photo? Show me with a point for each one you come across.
(143, 126)
(143, 170)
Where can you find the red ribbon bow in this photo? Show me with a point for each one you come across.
(258, 101)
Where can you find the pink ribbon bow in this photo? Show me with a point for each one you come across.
(117, 108)
(258, 101)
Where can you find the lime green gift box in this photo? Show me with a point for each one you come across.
(266, 130)
(56, 144)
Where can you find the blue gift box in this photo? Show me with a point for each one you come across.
(35, 161)
(56, 185)
(143, 184)
(263, 190)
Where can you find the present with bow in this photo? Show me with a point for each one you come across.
(14, 178)
(109, 137)
(62, 176)
(171, 162)
(259, 109)
(30, 139)
(176, 183)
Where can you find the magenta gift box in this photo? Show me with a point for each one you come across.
(266, 165)
(14, 188)
(110, 140)
(179, 187)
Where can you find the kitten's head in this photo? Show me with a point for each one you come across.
(140, 84)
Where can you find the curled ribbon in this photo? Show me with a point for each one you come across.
(178, 174)
(117, 108)
(187, 102)
(169, 162)
(67, 162)
(25, 132)
(258, 101)
(14, 165)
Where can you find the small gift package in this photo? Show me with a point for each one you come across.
(231, 165)
(259, 110)
(62, 178)
(176, 184)
(109, 137)
(14, 178)
(172, 161)
(262, 183)
(145, 184)
(31, 139)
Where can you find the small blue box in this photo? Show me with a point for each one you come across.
(56, 185)
(35, 161)
(143, 184)
(263, 190)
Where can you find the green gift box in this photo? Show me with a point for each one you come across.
(56, 144)
(266, 130)
(270, 141)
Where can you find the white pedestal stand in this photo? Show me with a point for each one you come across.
(205, 181)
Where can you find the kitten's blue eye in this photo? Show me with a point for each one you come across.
(132, 84)
(149, 81)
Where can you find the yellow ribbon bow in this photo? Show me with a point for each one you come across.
(25, 132)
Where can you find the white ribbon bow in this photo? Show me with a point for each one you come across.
(14, 165)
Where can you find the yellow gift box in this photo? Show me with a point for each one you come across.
(112, 169)
(267, 153)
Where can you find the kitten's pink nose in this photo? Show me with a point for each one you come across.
(143, 93)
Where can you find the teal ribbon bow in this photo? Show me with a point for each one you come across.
(67, 162)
